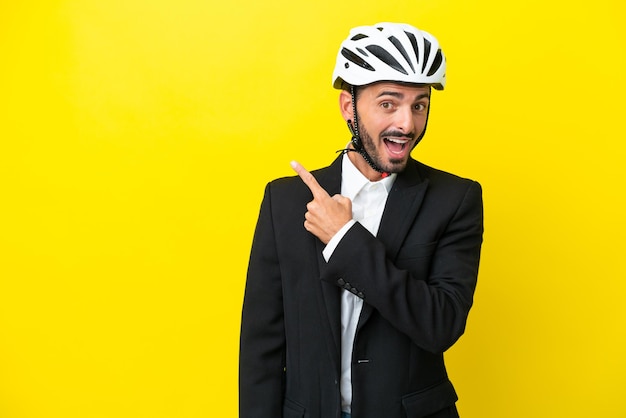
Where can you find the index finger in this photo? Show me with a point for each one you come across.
(308, 179)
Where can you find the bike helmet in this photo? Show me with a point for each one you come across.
(394, 52)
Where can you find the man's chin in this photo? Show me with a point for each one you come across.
(395, 165)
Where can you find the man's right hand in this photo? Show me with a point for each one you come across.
(325, 215)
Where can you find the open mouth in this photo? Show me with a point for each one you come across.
(396, 146)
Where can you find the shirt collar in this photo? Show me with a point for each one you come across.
(353, 181)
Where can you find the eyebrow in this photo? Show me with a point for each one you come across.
(401, 96)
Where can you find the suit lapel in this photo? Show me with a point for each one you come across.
(402, 206)
(401, 209)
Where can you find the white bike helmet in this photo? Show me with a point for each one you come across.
(394, 52)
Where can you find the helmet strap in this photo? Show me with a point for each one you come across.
(357, 143)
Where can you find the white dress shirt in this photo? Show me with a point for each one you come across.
(368, 202)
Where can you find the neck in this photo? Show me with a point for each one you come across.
(362, 165)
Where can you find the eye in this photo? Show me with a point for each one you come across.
(420, 107)
(386, 105)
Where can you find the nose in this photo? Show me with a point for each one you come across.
(405, 119)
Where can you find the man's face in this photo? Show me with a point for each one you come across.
(391, 118)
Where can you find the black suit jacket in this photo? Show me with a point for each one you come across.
(417, 278)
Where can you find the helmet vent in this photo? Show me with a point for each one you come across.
(436, 63)
(414, 44)
(352, 57)
(426, 53)
(358, 36)
(386, 57)
(400, 48)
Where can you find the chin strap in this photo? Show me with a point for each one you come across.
(357, 143)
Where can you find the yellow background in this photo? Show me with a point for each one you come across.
(135, 141)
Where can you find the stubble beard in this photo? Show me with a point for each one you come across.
(394, 165)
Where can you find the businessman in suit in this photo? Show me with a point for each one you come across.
(362, 273)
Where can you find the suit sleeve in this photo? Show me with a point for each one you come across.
(432, 307)
(262, 339)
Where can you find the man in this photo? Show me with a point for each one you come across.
(351, 300)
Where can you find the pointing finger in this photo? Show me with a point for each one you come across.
(308, 179)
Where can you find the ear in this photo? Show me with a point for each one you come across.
(345, 105)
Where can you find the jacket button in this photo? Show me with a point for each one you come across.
(361, 295)
(341, 282)
(354, 290)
